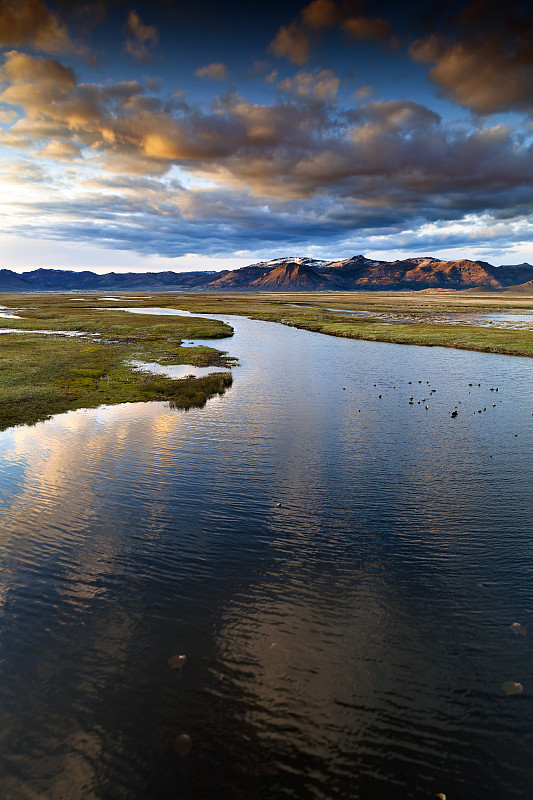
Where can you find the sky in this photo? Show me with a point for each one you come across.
(140, 136)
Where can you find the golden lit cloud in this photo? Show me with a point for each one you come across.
(373, 28)
(292, 43)
(321, 14)
(60, 151)
(295, 41)
(364, 92)
(322, 85)
(157, 146)
(488, 76)
(31, 23)
(8, 116)
(142, 36)
(216, 72)
(21, 68)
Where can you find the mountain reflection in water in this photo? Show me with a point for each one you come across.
(351, 642)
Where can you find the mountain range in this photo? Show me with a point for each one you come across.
(357, 273)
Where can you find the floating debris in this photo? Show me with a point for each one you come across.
(518, 629)
(512, 687)
(177, 662)
(454, 413)
(278, 505)
(183, 745)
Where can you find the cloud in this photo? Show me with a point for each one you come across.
(215, 72)
(372, 28)
(147, 218)
(60, 151)
(395, 115)
(7, 117)
(30, 23)
(364, 92)
(299, 167)
(482, 56)
(291, 42)
(320, 84)
(321, 14)
(487, 76)
(272, 77)
(296, 40)
(142, 37)
(20, 68)
(258, 69)
(23, 173)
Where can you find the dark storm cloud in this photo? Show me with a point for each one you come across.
(234, 221)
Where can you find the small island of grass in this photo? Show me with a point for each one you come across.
(42, 374)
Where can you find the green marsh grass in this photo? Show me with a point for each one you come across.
(45, 374)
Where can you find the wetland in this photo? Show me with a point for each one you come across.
(75, 350)
(316, 584)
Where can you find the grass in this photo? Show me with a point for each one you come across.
(463, 337)
(42, 375)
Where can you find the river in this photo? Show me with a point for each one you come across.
(340, 565)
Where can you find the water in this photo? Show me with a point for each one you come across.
(512, 320)
(33, 332)
(7, 313)
(350, 643)
(157, 311)
(128, 299)
(507, 319)
(176, 370)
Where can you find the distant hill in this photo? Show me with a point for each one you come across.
(522, 288)
(299, 273)
(11, 282)
(290, 276)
